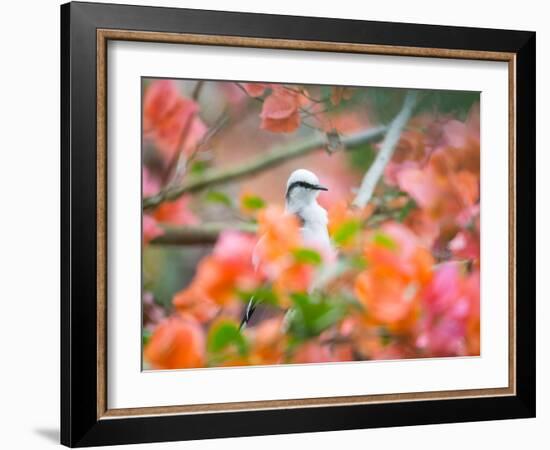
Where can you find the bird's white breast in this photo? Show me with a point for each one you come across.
(314, 229)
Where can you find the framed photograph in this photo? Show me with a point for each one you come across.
(276, 224)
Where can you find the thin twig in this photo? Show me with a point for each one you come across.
(241, 87)
(184, 161)
(275, 157)
(206, 233)
(306, 95)
(178, 154)
(197, 90)
(371, 178)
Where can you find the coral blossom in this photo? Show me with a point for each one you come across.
(176, 343)
(281, 110)
(398, 268)
(280, 234)
(220, 276)
(171, 119)
(274, 254)
(255, 89)
(269, 342)
(176, 212)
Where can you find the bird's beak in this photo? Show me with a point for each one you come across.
(321, 188)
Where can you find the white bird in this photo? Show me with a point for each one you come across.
(302, 189)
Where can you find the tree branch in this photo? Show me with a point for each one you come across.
(371, 178)
(275, 157)
(206, 233)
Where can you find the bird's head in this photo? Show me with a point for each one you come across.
(302, 188)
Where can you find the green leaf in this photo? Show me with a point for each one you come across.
(449, 102)
(358, 262)
(385, 336)
(385, 241)
(218, 197)
(198, 167)
(405, 211)
(313, 314)
(253, 202)
(225, 334)
(362, 157)
(146, 337)
(307, 256)
(261, 295)
(346, 232)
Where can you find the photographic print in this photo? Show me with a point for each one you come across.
(286, 223)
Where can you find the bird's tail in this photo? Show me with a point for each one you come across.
(250, 308)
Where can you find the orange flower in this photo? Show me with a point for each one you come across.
(177, 343)
(312, 352)
(196, 302)
(220, 275)
(342, 218)
(214, 281)
(296, 277)
(280, 234)
(274, 255)
(398, 268)
(269, 342)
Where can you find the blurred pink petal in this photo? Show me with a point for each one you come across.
(235, 247)
(176, 212)
(159, 99)
(420, 185)
(150, 229)
(465, 245)
(452, 312)
(255, 89)
(150, 185)
(170, 119)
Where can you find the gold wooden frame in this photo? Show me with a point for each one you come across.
(103, 36)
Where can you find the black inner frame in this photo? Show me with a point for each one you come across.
(79, 423)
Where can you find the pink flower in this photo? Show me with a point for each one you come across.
(465, 245)
(421, 185)
(152, 312)
(159, 100)
(176, 212)
(150, 185)
(220, 276)
(312, 352)
(444, 293)
(171, 119)
(235, 247)
(150, 229)
(255, 89)
(281, 110)
(451, 302)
